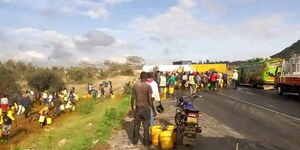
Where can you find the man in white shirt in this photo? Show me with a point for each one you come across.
(155, 95)
(235, 79)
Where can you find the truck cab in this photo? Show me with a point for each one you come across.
(287, 78)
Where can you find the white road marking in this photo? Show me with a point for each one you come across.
(261, 107)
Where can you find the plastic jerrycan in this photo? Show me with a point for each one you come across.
(155, 131)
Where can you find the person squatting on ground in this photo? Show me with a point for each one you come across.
(141, 103)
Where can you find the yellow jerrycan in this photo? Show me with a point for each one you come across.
(42, 119)
(49, 121)
(155, 131)
(165, 139)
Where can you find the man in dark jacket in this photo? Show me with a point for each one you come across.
(56, 101)
(26, 104)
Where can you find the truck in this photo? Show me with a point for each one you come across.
(288, 76)
(259, 73)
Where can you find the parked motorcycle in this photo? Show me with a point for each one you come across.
(186, 120)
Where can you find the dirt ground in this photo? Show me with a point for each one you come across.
(22, 127)
(212, 129)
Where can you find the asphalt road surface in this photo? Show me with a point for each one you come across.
(265, 120)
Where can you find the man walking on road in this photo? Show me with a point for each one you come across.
(141, 103)
(235, 79)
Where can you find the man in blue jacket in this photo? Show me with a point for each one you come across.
(26, 104)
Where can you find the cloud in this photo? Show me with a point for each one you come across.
(49, 47)
(51, 13)
(30, 56)
(5, 1)
(66, 9)
(187, 4)
(97, 10)
(211, 5)
(185, 33)
(263, 28)
(113, 2)
(59, 54)
(2, 36)
(175, 22)
(97, 13)
(95, 38)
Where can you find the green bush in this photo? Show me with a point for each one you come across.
(8, 81)
(46, 80)
(81, 75)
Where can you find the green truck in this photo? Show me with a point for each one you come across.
(259, 72)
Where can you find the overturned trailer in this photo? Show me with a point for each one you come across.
(187, 68)
(168, 68)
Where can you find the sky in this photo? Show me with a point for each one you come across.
(68, 32)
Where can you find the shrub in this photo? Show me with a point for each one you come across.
(80, 75)
(46, 80)
(8, 82)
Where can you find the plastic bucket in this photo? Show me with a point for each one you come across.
(112, 96)
(42, 119)
(171, 90)
(165, 90)
(172, 128)
(165, 139)
(62, 107)
(49, 121)
(155, 131)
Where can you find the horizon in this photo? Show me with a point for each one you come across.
(66, 33)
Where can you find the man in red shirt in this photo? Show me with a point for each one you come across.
(213, 81)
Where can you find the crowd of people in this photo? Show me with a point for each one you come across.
(155, 86)
(192, 81)
(101, 92)
(50, 104)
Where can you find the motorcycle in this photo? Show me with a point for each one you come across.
(186, 120)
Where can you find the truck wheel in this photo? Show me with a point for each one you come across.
(279, 90)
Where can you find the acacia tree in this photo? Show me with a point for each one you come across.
(135, 62)
(46, 80)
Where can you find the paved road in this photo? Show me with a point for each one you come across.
(265, 120)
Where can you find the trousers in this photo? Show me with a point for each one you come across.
(142, 115)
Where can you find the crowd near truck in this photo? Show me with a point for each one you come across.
(288, 76)
(259, 73)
